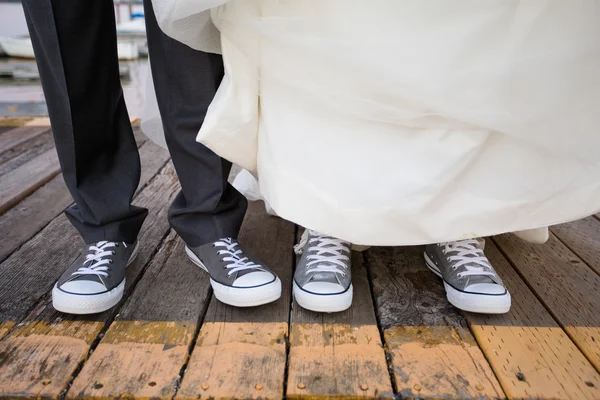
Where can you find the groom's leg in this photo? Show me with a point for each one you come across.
(76, 52)
(208, 208)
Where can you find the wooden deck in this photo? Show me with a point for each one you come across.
(170, 338)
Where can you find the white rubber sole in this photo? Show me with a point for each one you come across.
(323, 303)
(476, 303)
(90, 303)
(240, 296)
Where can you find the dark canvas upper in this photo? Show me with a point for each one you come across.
(119, 256)
(209, 255)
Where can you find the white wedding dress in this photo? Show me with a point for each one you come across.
(397, 122)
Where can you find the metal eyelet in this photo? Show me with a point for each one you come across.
(113, 252)
(117, 244)
(110, 261)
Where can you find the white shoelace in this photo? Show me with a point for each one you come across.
(465, 252)
(330, 253)
(96, 263)
(232, 256)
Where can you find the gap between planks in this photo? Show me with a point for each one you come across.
(15, 137)
(19, 155)
(582, 237)
(24, 180)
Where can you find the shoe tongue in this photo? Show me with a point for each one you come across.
(236, 247)
(322, 249)
(473, 279)
(325, 277)
(246, 272)
(228, 241)
(87, 278)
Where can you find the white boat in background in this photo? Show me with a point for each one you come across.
(17, 47)
(134, 27)
(128, 51)
(22, 48)
(134, 31)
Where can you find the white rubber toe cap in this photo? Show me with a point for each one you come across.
(485, 288)
(254, 279)
(323, 288)
(83, 287)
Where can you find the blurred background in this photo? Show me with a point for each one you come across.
(20, 89)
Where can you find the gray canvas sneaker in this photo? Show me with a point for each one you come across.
(323, 280)
(236, 277)
(470, 281)
(95, 281)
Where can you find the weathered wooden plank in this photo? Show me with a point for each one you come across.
(144, 350)
(433, 354)
(241, 353)
(26, 150)
(19, 155)
(564, 284)
(21, 182)
(28, 217)
(5, 327)
(42, 353)
(19, 145)
(339, 355)
(527, 349)
(140, 137)
(38, 121)
(14, 122)
(153, 158)
(18, 136)
(583, 238)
